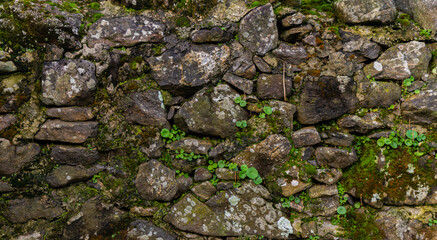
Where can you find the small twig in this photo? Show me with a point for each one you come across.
(283, 81)
(361, 199)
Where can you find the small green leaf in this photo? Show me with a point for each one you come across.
(357, 205)
(244, 167)
(238, 124)
(252, 173)
(242, 174)
(380, 142)
(262, 115)
(417, 91)
(341, 210)
(237, 100)
(165, 133)
(258, 180)
(297, 200)
(243, 103)
(408, 142)
(221, 164)
(267, 110)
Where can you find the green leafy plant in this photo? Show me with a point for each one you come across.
(314, 238)
(171, 135)
(251, 173)
(181, 154)
(407, 82)
(372, 79)
(239, 100)
(241, 124)
(341, 194)
(426, 33)
(341, 210)
(214, 180)
(432, 222)
(286, 202)
(267, 110)
(212, 165)
(357, 205)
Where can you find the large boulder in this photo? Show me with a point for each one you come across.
(14, 158)
(211, 112)
(147, 108)
(362, 12)
(70, 132)
(421, 108)
(68, 82)
(258, 30)
(182, 71)
(400, 62)
(125, 31)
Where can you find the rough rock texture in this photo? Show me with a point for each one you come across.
(14, 158)
(306, 137)
(74, 155)
(141, 229)
(64, 175)
(125, 31)
(240, 83)
(6, 121)
(204, 190)
(317, 191)
(68, 82)
(258, 31)
(211, 112)
(147, 108)
(272, 86)
(5, 187)
(190, 145)
(372, 11)
(400, 62)
(328, 176)
(339, 138)
(183, 71)
(70, 132)
(72, 114)
(422, 108)
(354, 123)
(334, 157)
(359, 46)
(202, 174)
(378, 94)
(284, 112)
(25, 209)
(423, 11)
(213, 35)
(291, 54)
(295, 34)
(293, 186)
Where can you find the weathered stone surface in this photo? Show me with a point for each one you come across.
(13, 158)
(144, 212)
(141, 229)
(204, 190)
(184, 71)
(240, 83)
(354, 123)
(291, 54)
(328, 176)
(72, 114)
(65, 175)
(284, 113)
(421, 108)
(125, 31)
(295, 34)
(156, 182)
(272, 86)
(326, 99)
(5, 187)
(68, 82)
(7, 67)
(242, 64)
(324, 206)
(147, 108)
(293, 20)
(211, 112)
(258, 30)
(334, 157)
(359, 46)
(400, 62)
(184, 183)
(359, 12)
(190, 145)
(226, 174)
(25, 209)
(213, 35)
(215, 217)
(74, 155)
(70, 132)
(6, 121)
(378, 94)
(202, 174)
(423, 11)
(339, 138)
(317, 191)
(266, 155)
(262, 65)
(306, 137)
(293, 186)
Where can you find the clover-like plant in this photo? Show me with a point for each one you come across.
(251, 173)
(239, 100)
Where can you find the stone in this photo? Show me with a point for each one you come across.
(22, 210)
(202, 174)
(424, 12)
(293, 20)
(68, 82)
(190, 145)
(125, 31)
(400, 62)
(261, 65)
(213, 35)
(323, 206)
(242, 64)
(7, 67)
(142, 229)
(369, 12)
(317, 191)
(7, 121)
(70, 132)
(184, 183)
(359, 46)
(144, 212)
(272, 86)
(72, 114)
(335, 157)
(186, 166)
(242, 84)
(156, 182)
(378, 94)
(258, 31)
(421, 108)
(65, 175)
(328, 176)
(339, 138)
(204, 190)
(184, 71)
(291, 54)
(14, 158)
(147, 108)
(307, 136)
(293, 186)
(225, 185)
(266, 155)
(5, 187)
(295, 34)
(354, 123)
(326, 99)
(74, 156)
(226, 174)
(284, 114)
(211, 113)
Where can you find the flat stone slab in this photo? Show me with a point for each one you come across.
(70, 132)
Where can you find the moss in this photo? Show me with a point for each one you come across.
(361, 225)
(182, 21)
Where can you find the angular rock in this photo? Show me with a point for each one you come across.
(258, 31)
(184, 183)
(262, 65)
(68, 82)
(339, 138)
(291, 54)
(240, 83)
(70, 132)
(293, 20)
(141, 229)
(378, 94)
(307, 136)
(5, 187)
(326, 99)
(334, 157)
(284, 112)
(147, 108)
(65, 175)
(291, 187)
(190, 145)
(211, 112)
(182, 72)
(202, 174)
(7, 67)
(74, 155)
(213, 35)
(204, 190)
(421, 108)
(72, 114)
(400, 62)
(295, 34)
(14, 158)
(372, 11)
(324, 206)
(156, 182)
(317, 191)
(266, 155)
(24, 209)
(272, 86)
(359, 46)
(6, 121)
(328, 176)
(125, 31)
(424, 12)
(226, 174)
(144, 212)
(354, 123)
(242, 64)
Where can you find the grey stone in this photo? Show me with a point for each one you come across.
(335, 157)
(272, 86)
(372, 11)
(262, 65)
(240, 83)
(204, 190)
(5, 187)
(359, 46)
(290, 187)
(293, 20)
(258, 31)
(72, 114)
(14, 158)
(147, 108)
(7, 67)
(190, 145)
(291, 54)
(226, 174)
(213, 35)
(184, 183)
(70, 132)
(328, 176)
(421, 108)
(317, 191)
(125, 31)
(339, 139)
(7, 121)
(24, 209)
(68, 82)
(307, 136)
(283, 112)
(242, 64)
(295, 34)
(324, 206)
(65, 175)
(202, 174)
(424, 12)
(378, 94)
(74, 155)
(354, 123)
(142, 229)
